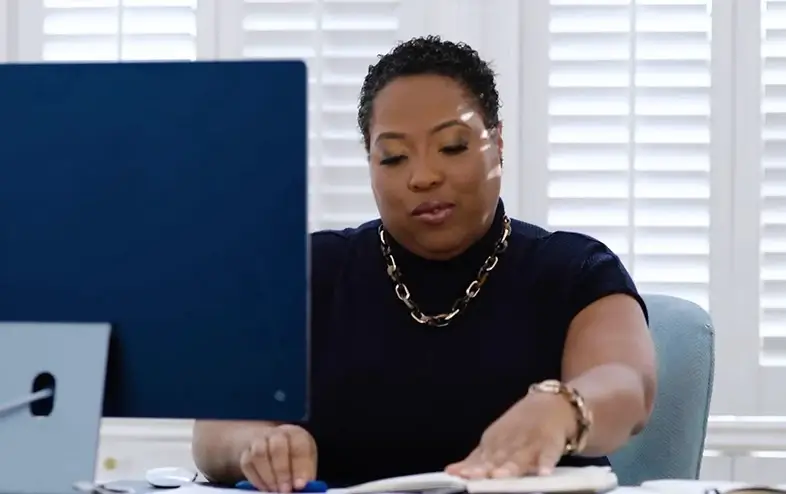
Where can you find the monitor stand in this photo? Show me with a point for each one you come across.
(51, 398)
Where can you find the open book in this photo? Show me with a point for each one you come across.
(562, 480)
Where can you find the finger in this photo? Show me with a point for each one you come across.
(302, 452)
(475, 466)
(258, 461)
(548, 458)
(490, 460)
(496, 457)
(506, 470)
(518, 464)
(459, 466)
(250, 471)
(262, 462)
(455, 468)
(481, 471)
(278, 445)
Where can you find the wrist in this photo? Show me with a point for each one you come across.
(571, 406)
(559, 409)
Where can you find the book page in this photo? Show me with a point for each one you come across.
(564, 479)
(436, 481)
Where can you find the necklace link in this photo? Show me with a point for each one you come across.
(472, 291)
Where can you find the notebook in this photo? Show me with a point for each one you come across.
(562, 480)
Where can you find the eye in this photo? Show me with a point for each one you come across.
(392, 160)
(454, 150)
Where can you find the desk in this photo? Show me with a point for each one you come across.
(656, 486)
(130, 447)
(689, 486)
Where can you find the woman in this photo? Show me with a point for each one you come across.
(446, 335)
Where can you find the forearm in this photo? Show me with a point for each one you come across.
(217, 446)
(620, 400)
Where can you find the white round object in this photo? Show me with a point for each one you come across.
(170, 477)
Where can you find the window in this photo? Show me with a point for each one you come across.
(629, 135)
(658, 126)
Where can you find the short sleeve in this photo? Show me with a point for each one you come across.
(598, 273)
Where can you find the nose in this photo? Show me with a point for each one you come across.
(424, 176)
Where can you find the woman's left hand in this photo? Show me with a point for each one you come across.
(529, 438)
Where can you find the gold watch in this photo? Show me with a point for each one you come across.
(583, 415)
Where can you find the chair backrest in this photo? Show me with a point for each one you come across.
(672, 444)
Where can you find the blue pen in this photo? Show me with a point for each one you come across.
(312, 486)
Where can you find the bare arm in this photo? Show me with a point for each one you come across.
(609, 358)
(218, 445)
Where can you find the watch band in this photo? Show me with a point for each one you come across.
(577, 443)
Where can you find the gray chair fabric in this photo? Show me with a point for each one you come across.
(672, 444)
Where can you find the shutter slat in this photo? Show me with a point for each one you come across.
(629, 135)
(82, 30)
(278, 29)
(338, 39)
(772, 273)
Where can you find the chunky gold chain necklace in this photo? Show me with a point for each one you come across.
(442, 320)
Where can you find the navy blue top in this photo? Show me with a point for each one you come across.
(393, 397)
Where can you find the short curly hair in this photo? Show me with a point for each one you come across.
(431, 55)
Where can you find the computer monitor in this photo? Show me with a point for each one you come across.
(169, 200)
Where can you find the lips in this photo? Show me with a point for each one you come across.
(433, 212)
(430, 207)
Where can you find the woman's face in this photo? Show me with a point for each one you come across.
(435, 168)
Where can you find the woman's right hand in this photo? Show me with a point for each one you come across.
(281, 459)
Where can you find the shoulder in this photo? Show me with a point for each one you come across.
(563, 248)
(579, 267)
(331, 249)
(337, 243)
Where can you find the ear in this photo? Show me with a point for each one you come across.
(498, 139)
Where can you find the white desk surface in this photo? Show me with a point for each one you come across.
(674, 486)
(651, 487)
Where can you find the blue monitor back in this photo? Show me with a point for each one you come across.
(170, 200)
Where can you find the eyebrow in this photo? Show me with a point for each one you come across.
(433, 130)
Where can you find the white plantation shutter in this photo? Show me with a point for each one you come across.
(766, 200)
(338, 39)
(773, 186)
(629, 135)
(108, 30)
